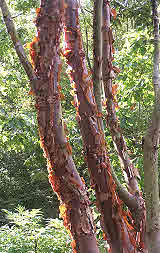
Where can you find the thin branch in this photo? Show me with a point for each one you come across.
(17, 15)
(87, 47)
(97, 53)
(91, 12)
(109, 73)
(128, 198)
(18, 45)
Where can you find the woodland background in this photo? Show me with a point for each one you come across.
(24, 178)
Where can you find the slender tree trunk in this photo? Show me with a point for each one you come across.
(97, 52)
(151, 143)
(97, 56)
(109, 74)
(18, 46)
(137, 207)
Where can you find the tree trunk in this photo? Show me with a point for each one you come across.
(109, 74)
(97, 53)
(113, 219)
(63, 176)
(151, 143)
(133, 199)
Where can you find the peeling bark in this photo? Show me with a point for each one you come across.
(109, 73)
(124, 232)
(63, 175)
(151, 144)
(121, 235)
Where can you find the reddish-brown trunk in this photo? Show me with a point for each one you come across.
(113, 219)
(109, 73)
(63, 176)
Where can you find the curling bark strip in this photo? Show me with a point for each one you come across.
(113, 220)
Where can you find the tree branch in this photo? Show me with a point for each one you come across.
(87, 47)
(151, 143)
(91, 12)
(18, 45)
(97, 53)
(109, 73)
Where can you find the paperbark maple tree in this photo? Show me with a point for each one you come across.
(125, 231)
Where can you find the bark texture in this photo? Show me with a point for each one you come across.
(63, 175)
(124, 232)
(97, 53)
(134, 198)
(120, 234)
(109, 74)
(151, 143)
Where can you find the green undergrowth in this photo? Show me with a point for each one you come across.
(24, 231)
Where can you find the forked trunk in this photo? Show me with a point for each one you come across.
(133, 199)
(113, 219)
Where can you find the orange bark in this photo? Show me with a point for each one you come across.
(63, 176)
(118, 232)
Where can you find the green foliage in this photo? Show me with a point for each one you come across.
(28, 234)
(24, 180)
(135, 14)
(135, 94)
(27, 231)
(26, 5)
